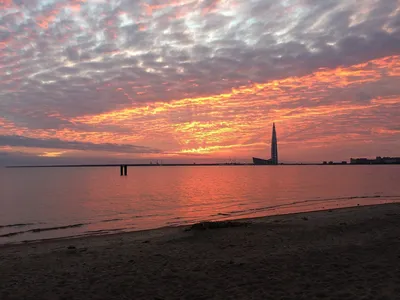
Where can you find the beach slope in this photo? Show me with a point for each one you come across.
(351, 253)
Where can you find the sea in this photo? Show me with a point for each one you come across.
(48, 203)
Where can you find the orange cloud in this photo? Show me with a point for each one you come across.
(6, 3)
(75, 5)
(44, 20)
(237, 122)
(149, 9)
(4, 43)
(319, 80)
(50, 16)
(53, 154)
(218, 121)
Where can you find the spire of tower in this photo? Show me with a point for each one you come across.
(274, 146)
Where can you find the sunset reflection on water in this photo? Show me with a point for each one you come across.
(151, 197)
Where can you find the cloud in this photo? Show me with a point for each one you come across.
(64, 62)
(21, 141)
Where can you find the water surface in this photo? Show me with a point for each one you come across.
(60, 202)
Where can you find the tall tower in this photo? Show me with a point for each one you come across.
(274, 146)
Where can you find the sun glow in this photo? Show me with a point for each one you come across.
(236, 121)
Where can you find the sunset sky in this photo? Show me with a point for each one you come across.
(198, 80)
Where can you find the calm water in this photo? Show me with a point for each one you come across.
(97, 200)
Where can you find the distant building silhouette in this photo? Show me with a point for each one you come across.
(274, 146)
(274, 151)
(334, 163)
(377, 161)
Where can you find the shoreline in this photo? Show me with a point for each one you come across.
(345, 253)
(122, 232)
(117, 232)
(195, 165)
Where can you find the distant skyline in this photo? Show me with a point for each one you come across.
(184, 80)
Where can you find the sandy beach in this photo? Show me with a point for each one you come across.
(351, 253)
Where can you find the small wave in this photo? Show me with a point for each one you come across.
(103, 231)
(222, 214)
(179, 223)
(17, 225)
(38, 230)
(57, 228)
(110, 220)
(12, 234)
(149, 216)
(265, 208)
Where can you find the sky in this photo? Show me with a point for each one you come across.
(198, 80)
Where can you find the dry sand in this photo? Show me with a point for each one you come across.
(351, 253)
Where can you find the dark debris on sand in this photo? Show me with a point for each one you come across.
(217, 225)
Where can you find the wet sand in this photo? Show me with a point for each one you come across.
(351, 253)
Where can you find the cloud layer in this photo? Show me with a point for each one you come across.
(202, 77)
(20, 141)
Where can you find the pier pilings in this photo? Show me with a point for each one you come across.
(124, 170)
